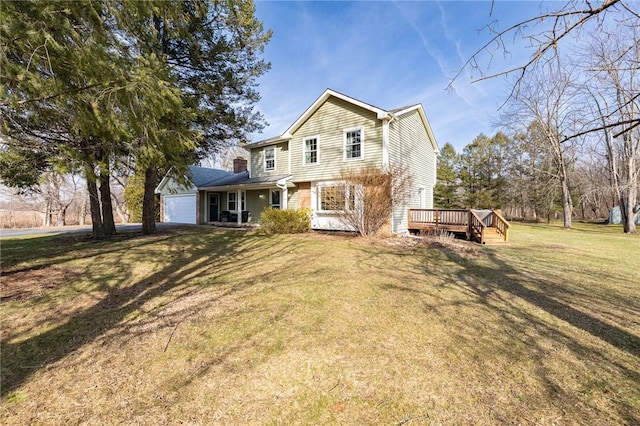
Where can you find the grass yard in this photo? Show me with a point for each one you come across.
(204, 326)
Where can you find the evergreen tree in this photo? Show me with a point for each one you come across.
(163, 82)
(447, 185)
(483, 172)
(57, 64)
(210, 53)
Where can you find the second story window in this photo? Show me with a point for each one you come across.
(269, 159)
(311, 151)
(353, 144)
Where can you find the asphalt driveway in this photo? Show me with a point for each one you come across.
(128, 227)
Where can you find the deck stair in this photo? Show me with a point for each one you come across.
(482, 226)
(493, 236)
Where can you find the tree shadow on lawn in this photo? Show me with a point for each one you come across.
(498, 287)
(39, 252)
(553, 298)
(207, 251)
(489, 282)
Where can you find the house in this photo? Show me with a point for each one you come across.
(301, 167)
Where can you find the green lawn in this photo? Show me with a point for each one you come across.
(205, 326)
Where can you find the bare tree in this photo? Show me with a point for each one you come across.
(613, 61)
(592, 185)
(223, 158)
(52, 198)
(547, 34)
(545, 99)
(368, 196)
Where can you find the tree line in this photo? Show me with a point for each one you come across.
(146, 87)
(572, 120)
(519, 175)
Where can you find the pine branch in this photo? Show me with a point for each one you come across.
(55, 95)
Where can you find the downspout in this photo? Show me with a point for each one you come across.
(386, 158)
(386, 120)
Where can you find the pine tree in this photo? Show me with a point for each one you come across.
(446, 192)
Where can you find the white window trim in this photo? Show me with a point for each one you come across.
(229, 201)
(344, 143)
(316, 193)
(422, 197)
(304, 151)
(243, 201)
(264, 154)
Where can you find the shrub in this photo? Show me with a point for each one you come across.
(133, 195)
(372, 194)
(277, 221)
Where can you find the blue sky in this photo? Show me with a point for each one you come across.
(388, 54)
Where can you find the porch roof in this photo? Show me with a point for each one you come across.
(243, 181)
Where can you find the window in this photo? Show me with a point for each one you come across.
(336, 197)
(232, 201)
(311, 151)
(269, 159)
(275, 199)
(353, 144)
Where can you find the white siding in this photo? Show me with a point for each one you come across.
(411, 149)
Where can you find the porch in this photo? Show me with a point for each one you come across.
(482, 226)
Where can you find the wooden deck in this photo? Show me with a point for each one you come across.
(482, 226)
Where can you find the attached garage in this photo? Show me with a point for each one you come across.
(179, 208)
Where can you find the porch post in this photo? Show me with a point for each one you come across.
(283, 202)
(239, 205)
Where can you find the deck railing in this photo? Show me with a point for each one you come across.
(474, 223)
(476, 227)
(501, 224)
(438, 217)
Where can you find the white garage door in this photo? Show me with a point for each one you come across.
(180, 208)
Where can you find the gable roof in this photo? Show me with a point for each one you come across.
(425, 122)
(381, 114)
(198, 176)
(202, 175)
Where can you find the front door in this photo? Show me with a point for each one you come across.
(214, 207)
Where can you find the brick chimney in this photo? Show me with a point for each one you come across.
(239, 165)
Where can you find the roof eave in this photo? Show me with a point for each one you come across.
(266, 142)
(248, 186)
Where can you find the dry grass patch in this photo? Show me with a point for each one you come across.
(33, 283)
(206, 326)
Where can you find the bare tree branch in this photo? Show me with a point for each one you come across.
(552, 38)
(634, 123)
